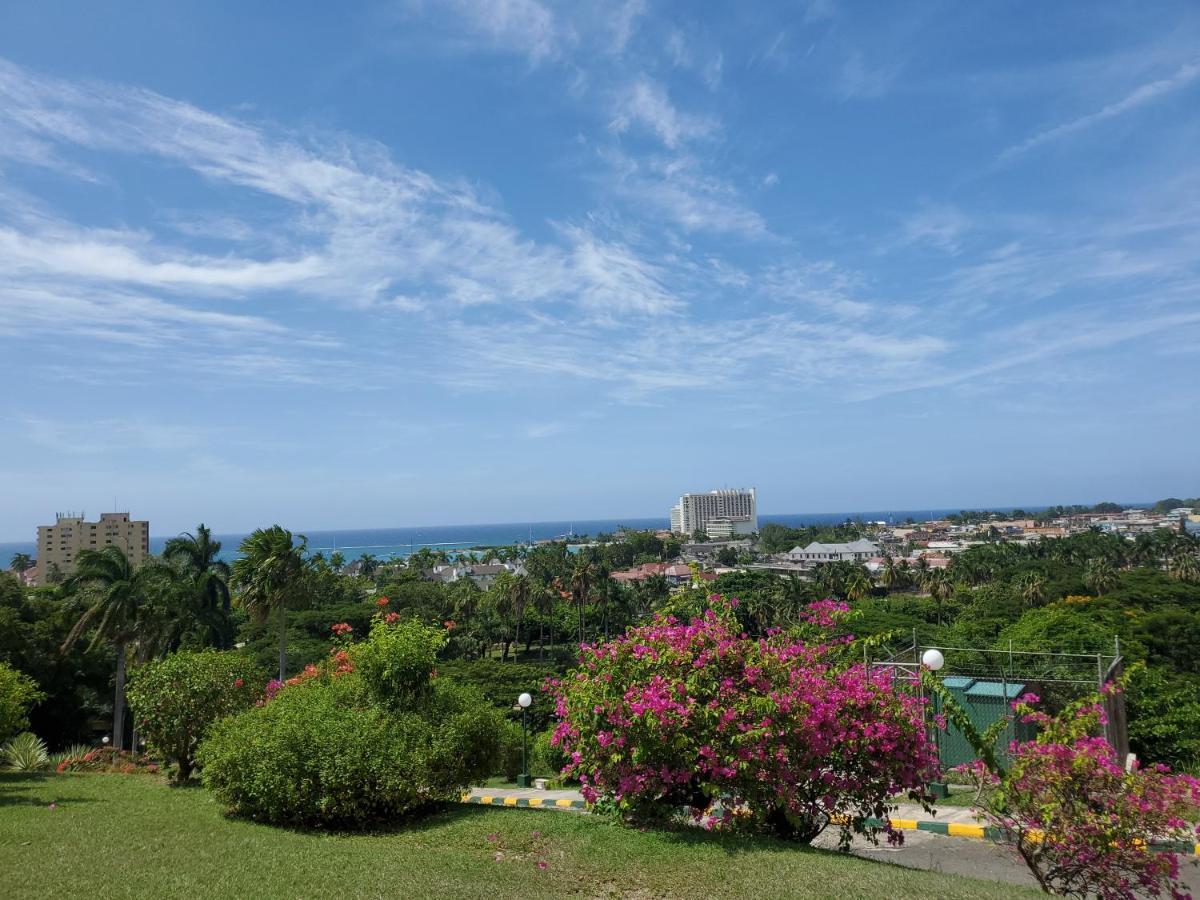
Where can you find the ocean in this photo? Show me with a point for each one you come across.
(385, 543)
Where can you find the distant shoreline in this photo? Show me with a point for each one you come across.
(386, 542)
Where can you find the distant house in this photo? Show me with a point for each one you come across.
(816, 552)
(483, 574)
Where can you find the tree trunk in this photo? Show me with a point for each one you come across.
(542, 640)
(282, 643)
(118, 735)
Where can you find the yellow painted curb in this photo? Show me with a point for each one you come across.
(904, 824)
(510, 801)
(485, 800)
(566, 804)
(961, 829)
(535, 801)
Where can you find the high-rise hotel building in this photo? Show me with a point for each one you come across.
(718, 514)
(59, 545)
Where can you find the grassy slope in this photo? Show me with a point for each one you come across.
(127, 836)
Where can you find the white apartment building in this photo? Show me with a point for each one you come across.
(722, 513)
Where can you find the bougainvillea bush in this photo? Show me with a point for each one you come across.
(781, 732)
(369, 736)
(1082, 824)
(176, 699)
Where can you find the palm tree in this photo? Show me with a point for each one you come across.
(582, 578)
(271, 573)
(858, 585)
(543, 602)
(518, 597)
(938, 585)
(114, 593)
(1098, 575)
(1032, 587)
(21, 562)
(369, 564)
(889, 577)
(1185, 566)
(198, 556)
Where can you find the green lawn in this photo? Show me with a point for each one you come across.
(132, 836)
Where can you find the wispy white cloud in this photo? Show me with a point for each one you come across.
(938, 224)
(527, 27)
(680, 191)
(1182, 78)
(859, 80)
(645, 104)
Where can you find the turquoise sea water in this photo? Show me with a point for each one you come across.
(398, 542)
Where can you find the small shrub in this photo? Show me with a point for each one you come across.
(25, 753)
(358, 747)
(546, 759)
(175, 700)
(109, 761)
(75, 751)
(18, 692)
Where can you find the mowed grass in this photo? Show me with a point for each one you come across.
(133, 836)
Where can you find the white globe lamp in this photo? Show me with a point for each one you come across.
(932, 659)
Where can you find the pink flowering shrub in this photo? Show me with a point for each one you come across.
(1079, 821)
(777, 732)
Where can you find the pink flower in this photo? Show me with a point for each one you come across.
(493, 837)
(382, 601)
(542, 864)
(341, 629)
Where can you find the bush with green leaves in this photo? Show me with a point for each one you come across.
(547, 760)
(26, 753)
(353, 748)
(18, 692)
(176, 699)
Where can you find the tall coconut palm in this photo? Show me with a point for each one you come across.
(543, 598)
(21, 562)
(583, 576)
(113, 592)
(1032, 588)
(1098, 574)
(198, 556)
(519, 592)
(270, 574)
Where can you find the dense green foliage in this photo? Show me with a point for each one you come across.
(17, 693)
(177, 699)
(351, 747)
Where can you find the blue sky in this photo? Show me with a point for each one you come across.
(396, 263)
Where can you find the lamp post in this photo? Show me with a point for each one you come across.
(933, 660)
(523, 779)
